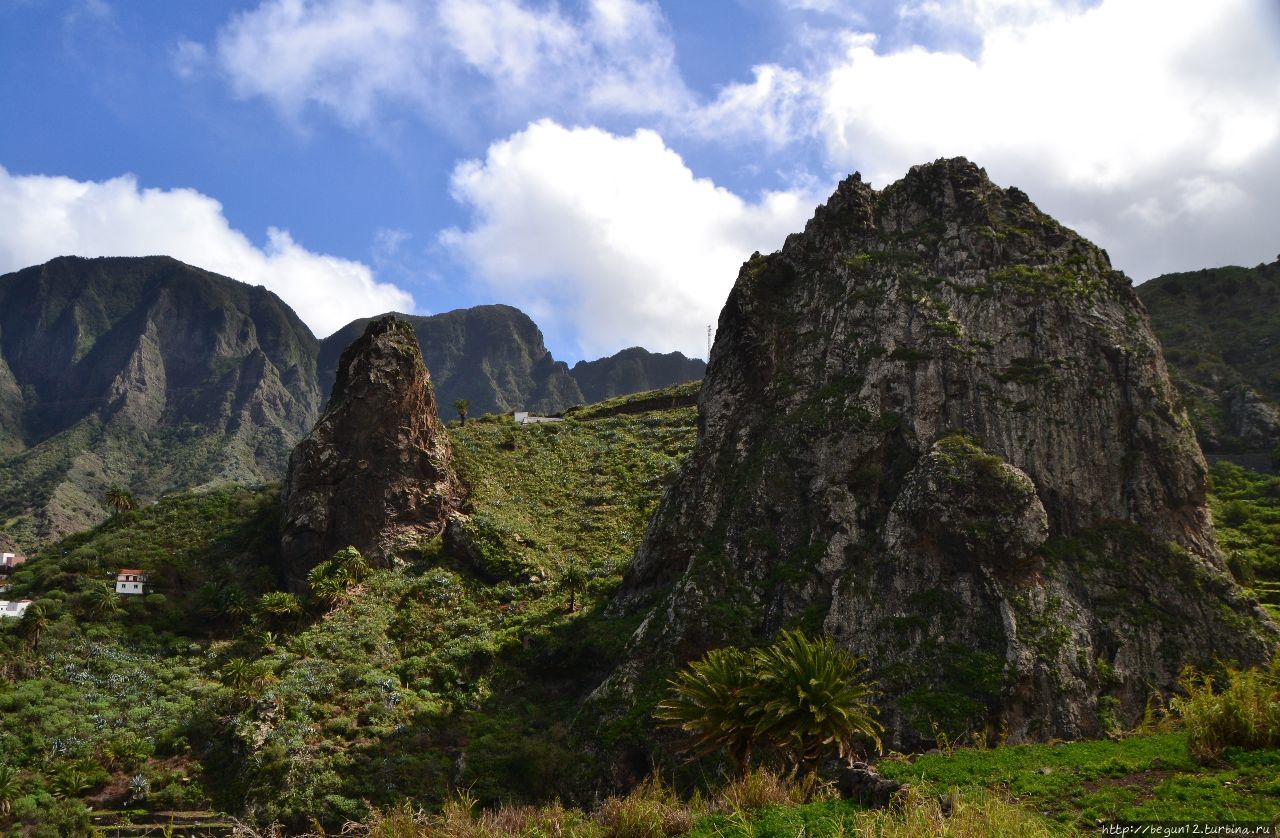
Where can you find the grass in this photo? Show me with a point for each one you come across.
(1246, 515)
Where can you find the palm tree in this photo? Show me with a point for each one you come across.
(810, 695)
(119, 499)
(572, 581)
(710, 700)
(10, 788)
(34, 624)
(103, 601)
(279, 605)
(351, 565)
(462, 406)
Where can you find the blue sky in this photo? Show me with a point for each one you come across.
(608, 164)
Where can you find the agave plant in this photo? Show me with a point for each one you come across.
(710, 701)
(810, 695)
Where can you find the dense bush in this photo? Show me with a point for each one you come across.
(1243, 713)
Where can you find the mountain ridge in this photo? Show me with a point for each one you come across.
(156, 376)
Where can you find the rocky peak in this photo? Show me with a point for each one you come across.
(376, 472)
(937, 426)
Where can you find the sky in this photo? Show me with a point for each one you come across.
(607, 165)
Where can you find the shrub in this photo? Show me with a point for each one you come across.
(1246, 714)
(651, 810)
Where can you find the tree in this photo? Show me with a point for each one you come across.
(462, 406)
(572, 582)
(710, 700)
(34, 624)
(119, 499)
(278, 607)
(101, 600)
(10, 788)
(810, 695)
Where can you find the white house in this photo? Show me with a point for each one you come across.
(14, 610)
(132, 582)
(522, 417)
(8, 561)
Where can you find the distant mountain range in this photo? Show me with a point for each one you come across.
(1220, 329)
(155, 376)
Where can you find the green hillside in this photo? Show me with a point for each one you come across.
(463, 669)
(1220, 329)
(464, 666)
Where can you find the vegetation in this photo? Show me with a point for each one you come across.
(221, 690)
(1217, 328)
(373, 685)
(462, 406)
(1245, 713)
(1246, 514)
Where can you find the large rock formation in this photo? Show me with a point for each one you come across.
(376, 473)
(937, 426)
(144, 373)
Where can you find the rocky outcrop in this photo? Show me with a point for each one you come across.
(937, 426)
(493, 356)
(376, 472)
(1251, 418)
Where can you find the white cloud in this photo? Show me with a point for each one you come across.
(57, 216)
(1151, 125)
(356, 58)
(611, 236)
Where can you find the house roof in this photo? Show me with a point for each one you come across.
(130, 571)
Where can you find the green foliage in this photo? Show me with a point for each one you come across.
(1217, 328)
(462, 406)
(1245, 713)
(711, 701)
(1246, 513)
(119, 499)
(812, 695)
(800, 696)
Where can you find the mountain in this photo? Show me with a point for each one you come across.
(494, 357)
(1220, 329)
(156, 376)
(142, 373)
(634, 370)
(376, 472)
(937, 426)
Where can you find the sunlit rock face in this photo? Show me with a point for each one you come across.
(376, 472)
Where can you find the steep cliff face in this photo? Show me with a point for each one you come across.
(937, 426)
(145, 373)
(376, 472)
(493, 356)
(1220, 329)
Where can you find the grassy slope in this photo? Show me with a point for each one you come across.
(423, 677)
(1246, 512)
(1065, 788)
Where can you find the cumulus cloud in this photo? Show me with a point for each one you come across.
(356, 58)
(611, 236)
(57, 216)
(1147, 123)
